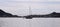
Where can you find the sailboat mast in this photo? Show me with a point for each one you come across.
(30, 11)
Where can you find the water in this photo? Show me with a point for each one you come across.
(35, 22)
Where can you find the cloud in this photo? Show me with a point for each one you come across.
(54, 0)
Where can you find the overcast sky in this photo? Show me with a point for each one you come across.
(21, 7)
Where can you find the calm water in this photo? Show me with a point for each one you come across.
(35, 22)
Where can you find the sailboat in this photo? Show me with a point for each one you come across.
(30, 13)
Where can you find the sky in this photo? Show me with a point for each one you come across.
(21, 7)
